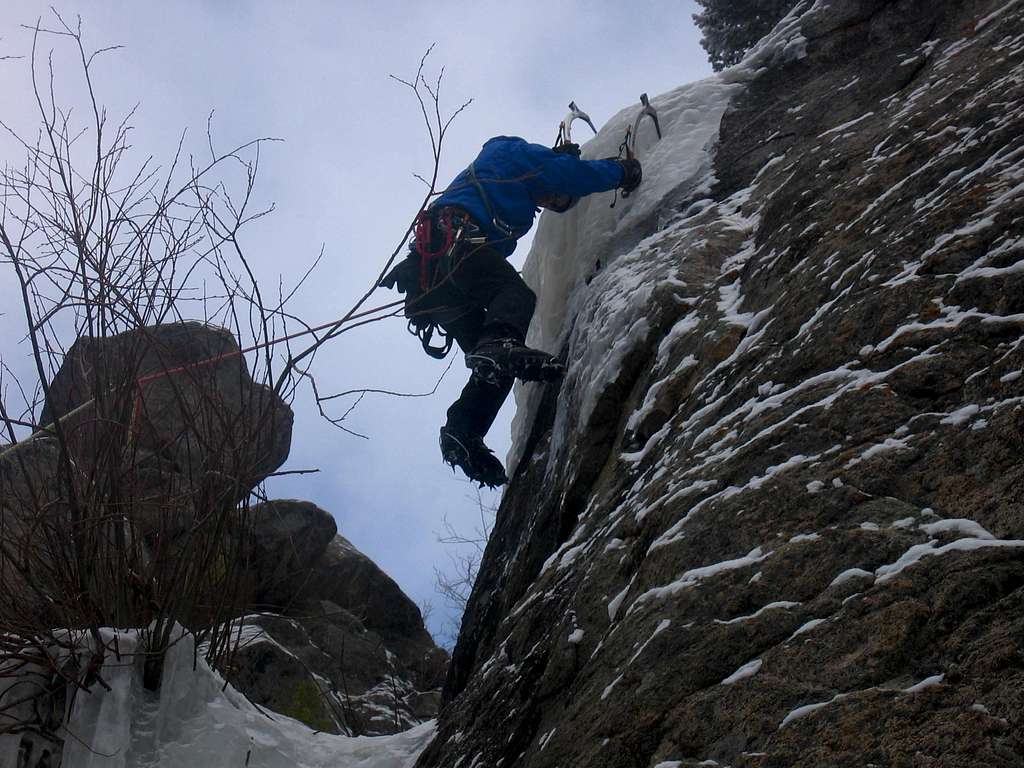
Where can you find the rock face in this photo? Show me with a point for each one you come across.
(288, 536)
(773, 515)
(337, 644)
(348, 578)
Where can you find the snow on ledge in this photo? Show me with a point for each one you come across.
(957, 525)
(695, 576)
(920, 551)
(749, 669)
(928, 682)
(807, 709)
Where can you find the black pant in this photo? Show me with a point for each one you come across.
(480, 296)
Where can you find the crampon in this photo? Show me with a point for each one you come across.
(475, 459)
(500, 359)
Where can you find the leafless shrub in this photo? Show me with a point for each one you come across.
(105, 520)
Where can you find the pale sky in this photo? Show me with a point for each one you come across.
(315, 74)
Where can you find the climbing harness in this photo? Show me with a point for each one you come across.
(439, 232)
(438, 235)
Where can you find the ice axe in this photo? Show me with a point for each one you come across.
(564, 142)
(629, 142)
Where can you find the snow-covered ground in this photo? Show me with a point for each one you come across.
(196, 720)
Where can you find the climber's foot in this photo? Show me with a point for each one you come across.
(468, 453)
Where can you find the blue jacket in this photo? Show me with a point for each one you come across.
(511, 174)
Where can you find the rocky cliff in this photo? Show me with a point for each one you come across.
(773, 515)
(335, 642)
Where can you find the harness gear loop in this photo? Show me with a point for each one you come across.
(425, 223)
(425, 333)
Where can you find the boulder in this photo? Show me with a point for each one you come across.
(336, 643)
(350, 579)
(181, 398)
(320, 664)
(287, 536)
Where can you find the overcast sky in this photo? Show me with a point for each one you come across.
(316, 75)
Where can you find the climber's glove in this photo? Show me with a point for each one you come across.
(632, 175)
(568, 148)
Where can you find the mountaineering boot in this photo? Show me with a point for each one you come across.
(468, 453)
(496, 359)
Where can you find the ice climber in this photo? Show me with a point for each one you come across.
(456, 278)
